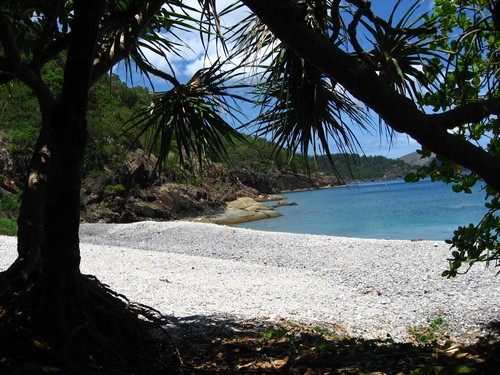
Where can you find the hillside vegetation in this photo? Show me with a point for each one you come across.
(355, 167)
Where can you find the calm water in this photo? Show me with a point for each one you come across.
(388, 209)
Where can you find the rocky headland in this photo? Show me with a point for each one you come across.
(217, 194)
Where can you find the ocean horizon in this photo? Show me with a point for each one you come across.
(390, 209)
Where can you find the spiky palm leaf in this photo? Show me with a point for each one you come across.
(300, 108)
(402, 59)
(195, 116)
(163, 35)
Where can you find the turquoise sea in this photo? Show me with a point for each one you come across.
(387, 209)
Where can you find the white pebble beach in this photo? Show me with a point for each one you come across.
(367, 288)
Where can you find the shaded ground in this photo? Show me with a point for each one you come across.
(248, 347)
(209, 345)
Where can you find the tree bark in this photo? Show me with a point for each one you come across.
(363, 83)
(48, 265)
(47, 307)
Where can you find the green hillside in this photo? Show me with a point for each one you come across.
(356, 167)
(112, 103)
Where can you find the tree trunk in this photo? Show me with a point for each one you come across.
(60, 255)
(48, 266)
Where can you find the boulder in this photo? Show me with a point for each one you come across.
(248, 204)
(138, 169)
(231, 217)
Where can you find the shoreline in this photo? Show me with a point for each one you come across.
(369, 288)
(256, 209)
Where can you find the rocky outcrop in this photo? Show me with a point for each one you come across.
(167, 201)
(8, 180)
(241, 210)
(138, 169)
(137, 194)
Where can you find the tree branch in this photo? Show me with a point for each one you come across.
(14, 66)
(336, 20)
(151, 69)
(121, 46)
(364, 7)
(363, 83)
(352, 30)
(7, 39)
(5, 75)
(467, 113)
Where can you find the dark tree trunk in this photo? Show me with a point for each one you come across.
(43, 296)
(60, 261)
(48, 266)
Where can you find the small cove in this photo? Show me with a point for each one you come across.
(384, 209)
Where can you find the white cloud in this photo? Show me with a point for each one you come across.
(193, 51)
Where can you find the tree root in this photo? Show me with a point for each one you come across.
(102, 332)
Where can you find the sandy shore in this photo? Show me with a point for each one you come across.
(366, 287)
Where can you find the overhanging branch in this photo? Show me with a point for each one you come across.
(467, 113)
(145, 66)
(123, 44)
(364, 7)
(363, 83)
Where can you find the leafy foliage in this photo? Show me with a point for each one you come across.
(398, 56)
(9, 202)
(114, 189)
(468, 75)
(111, 105)
(259, 154)
(8, 227)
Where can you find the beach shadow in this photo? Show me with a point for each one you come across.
(226, 345)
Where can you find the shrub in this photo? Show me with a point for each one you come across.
(10, 202)
(8, 227)
(114, 189)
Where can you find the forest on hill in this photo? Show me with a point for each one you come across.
(362, 167)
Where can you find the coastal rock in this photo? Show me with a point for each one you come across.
(231, 217)
(138, 169)
(137, 193)
(280, 180)
(165, 202)
(241, 210)
(270, 197)
(248, 204)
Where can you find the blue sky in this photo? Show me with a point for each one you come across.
(372, 142)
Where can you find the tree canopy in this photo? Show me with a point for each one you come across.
(322, 68)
